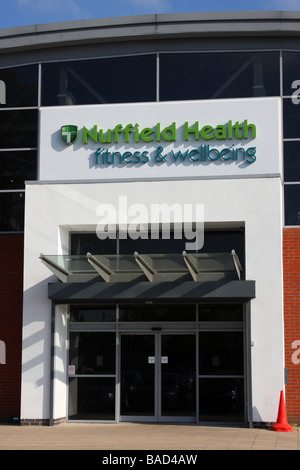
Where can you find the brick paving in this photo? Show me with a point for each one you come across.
(136, 436)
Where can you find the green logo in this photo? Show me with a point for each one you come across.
(69, 134)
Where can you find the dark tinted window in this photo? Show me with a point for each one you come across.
(11, 212)
(220, 313)
(18, 129)
(151, 245)
(87, 313)
(93, 353)
(221, 353)
(17, 167)
(19, 86)
(292, 204)
(291, 119)
(292, 161)
(115, 80)
(215, 241)
(218, 75)
(291, 72)
(157, 313)
(83, 243)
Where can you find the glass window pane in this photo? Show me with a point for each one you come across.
(291, 119)
(220, 313)
(292, 204)
(16, 168)
(292, 161)
(86, 313)
(218, 75)
(178, 386)
(221, 353)
(18, 129)
(157, 313)
(93, 353)
(12, 212)
(83, 243)
(291, 72)
(113, 80)
(137, 375)
(221, 399)
(151, 245)
(19, 86)
(91, 398)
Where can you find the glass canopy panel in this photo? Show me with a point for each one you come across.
(139, 267)
(116, 268)
(67, 268)
(162, 267)
(213, 266)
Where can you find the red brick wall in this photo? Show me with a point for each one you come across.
(291, 273)
(11, 295)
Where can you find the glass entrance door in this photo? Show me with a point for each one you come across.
(158, 377)
(178, 376)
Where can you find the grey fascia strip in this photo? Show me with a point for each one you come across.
(159, 291)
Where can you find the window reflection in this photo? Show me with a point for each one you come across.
(92, 314)
(19, 86)
(92, 398)
(93, 353)
(292, 204)
(221, 353)
(18, 129)
(218, 75)
(16, 168)
(221, 399)
(157, 313)
(291, 72)
(292, 161)
(291, 119)
(12, 211)
(99, 81)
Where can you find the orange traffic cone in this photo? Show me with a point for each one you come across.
(281, 424)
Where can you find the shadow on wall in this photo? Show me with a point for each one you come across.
(37, 348)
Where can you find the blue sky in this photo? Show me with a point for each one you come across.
(30, 12)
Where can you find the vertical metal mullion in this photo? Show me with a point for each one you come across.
(248, 364)
(281, 73)
(52, 361)
(197, 363)
(157, 77)
(157, 382)
(39, 85)
(118, 370)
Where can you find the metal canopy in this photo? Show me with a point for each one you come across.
(155, 268)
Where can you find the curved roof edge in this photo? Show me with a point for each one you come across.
(133, 28)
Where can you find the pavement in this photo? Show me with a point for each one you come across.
(144, 437)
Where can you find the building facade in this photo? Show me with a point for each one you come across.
(150, 214)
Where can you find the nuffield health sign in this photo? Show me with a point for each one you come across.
(198, 139)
